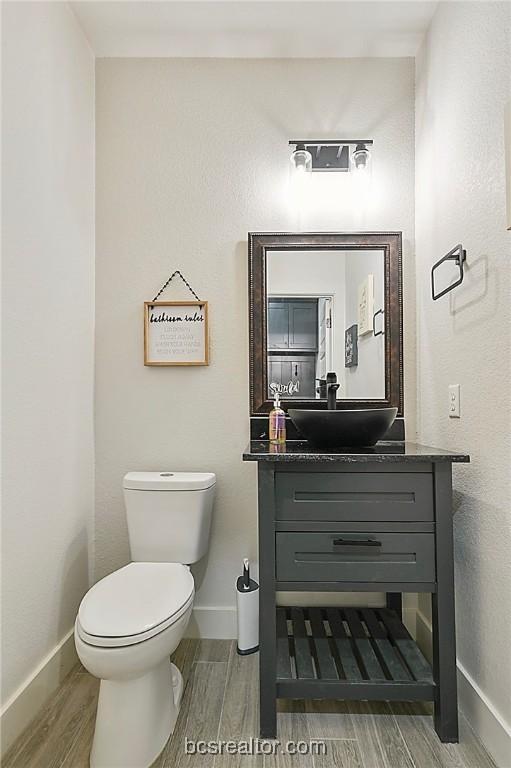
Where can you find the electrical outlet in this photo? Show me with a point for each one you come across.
(454, 401)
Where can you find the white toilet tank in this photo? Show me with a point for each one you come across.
(169, 515)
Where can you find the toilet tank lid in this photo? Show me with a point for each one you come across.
(168, 481)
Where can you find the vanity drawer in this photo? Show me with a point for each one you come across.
(366, 557)
(368, 496)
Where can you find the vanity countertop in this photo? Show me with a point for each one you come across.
(301, 450)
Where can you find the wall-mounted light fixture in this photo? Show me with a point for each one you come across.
(332, 155)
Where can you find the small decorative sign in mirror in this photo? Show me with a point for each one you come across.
(351, 346)
(176, 333)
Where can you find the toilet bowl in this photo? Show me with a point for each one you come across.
(127, 626)
(130, 622)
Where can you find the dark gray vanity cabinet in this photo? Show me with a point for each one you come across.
(379, 521)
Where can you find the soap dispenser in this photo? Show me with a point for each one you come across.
(277, 429)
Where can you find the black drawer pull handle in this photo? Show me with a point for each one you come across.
(356, 543)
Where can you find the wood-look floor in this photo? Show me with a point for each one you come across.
(221, 702)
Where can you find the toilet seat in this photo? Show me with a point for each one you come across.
(134, 604)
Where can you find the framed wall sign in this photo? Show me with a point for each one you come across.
(176, 333)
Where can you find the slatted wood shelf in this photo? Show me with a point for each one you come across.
(349, 653)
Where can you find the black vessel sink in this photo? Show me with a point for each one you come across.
(343, 429)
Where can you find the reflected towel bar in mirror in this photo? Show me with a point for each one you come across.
(459, 256)
(382, 331)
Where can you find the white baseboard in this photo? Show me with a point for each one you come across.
(219, 622)
(33, 694)
(216, 623)
(486, 722)
(424, 635)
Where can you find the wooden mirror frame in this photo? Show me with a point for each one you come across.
(259, 245)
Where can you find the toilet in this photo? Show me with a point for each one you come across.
(130, 622)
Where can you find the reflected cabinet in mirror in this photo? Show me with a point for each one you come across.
(325, 303)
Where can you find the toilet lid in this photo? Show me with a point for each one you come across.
(134, 603)
(169, 481)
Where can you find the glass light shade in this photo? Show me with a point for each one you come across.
(361, 160)
(301, 160)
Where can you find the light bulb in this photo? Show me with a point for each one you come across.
(361, 159)
(301, 167)
(301, 159)
(361, 172)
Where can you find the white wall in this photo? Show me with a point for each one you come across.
(48, 321)
(367, 379)
(191, 155)
(463, 83)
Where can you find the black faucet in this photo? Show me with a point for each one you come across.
(331, 391)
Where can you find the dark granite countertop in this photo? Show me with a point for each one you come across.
(301, 450)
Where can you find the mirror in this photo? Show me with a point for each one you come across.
(319, 318)
(322, 303)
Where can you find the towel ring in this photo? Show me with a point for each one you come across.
(459, 256)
